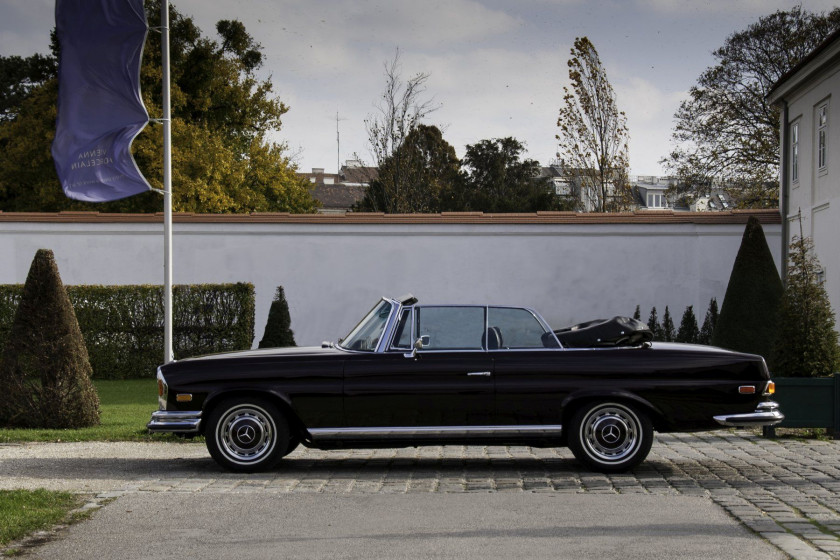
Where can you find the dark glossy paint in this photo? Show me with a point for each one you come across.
(681, 387)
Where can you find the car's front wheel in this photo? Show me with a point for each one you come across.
(247, 434)
(610, 436)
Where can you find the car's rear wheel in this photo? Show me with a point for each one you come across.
(610, 436)
(247, 434)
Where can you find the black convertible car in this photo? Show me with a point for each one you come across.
(411, 374)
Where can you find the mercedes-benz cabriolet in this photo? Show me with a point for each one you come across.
(411, 374)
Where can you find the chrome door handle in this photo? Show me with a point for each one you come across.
(482, 373)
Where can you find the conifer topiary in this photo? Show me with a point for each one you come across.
(749, 316)
(807, 344)
(45, 372)
(653, 324)
(669, 333)
(688, 331)
(278, 331)
(709, 323)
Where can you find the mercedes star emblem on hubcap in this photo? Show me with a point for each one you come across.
(610, 434)
(246, 434)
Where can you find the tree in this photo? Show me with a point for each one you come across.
(495, 179)
(668, 333)
(688, 331)
(653, 324)
(18, 77)
(593, 133)
(415, 176)
(45, 372)
(749, 315)
(401, 109)
(705, 336)
(221, 114)
(807, 344)
(278, 328)
(637, 314)
(726, 130)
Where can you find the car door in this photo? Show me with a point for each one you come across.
(447, 381)
(530, 387)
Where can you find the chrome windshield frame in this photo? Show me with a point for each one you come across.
(387, 332)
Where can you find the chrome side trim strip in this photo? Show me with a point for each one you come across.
(182, 421)
(427, 431)
(766, 414)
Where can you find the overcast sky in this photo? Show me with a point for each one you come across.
(497, 68)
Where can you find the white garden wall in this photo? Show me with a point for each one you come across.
(569, 267)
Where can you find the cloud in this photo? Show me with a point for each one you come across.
(692, 8)
(650, 111)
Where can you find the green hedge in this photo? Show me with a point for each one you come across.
(123, 325)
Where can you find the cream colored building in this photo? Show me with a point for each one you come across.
(809, 99)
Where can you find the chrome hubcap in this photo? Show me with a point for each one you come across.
(610, 433)
(246, 434)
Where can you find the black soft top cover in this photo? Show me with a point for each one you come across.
(618, 331)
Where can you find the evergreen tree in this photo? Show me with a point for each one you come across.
(637, 314)
(709, 323)
(749, 316)
(45, 372)
(278, 331)
(669, 333)
(807, 344)
(688, 331)
(653, 325)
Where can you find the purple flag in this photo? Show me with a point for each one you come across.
(100, 111)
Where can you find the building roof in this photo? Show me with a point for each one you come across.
(824, 52)
(770, 216)
(338, 196)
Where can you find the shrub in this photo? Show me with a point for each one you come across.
(688, 331)
(45, 373)
(749, 315)
(653, 324)
(668, 333)
(807, 344)
(278, 331)
(123, 325)
(705, 336)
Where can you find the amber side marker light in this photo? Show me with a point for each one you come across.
(183, 397)
(771, 388)
(747, 389)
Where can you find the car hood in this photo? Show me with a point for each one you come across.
(293, 351)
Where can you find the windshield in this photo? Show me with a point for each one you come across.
(366, 335)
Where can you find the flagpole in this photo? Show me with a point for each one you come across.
(167, 188)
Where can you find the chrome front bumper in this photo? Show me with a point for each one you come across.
(766, 414)
(182, 421)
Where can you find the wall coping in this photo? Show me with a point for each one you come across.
(765, 216)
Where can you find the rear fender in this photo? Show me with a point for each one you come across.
(580, 398)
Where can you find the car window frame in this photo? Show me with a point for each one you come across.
(390, 348)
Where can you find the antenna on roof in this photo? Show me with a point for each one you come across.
(337, 145)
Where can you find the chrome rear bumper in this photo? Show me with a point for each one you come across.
(766, 414)
(182, 421)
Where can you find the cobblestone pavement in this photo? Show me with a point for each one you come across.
(787, 491)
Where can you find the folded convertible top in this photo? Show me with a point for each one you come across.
(618, 331)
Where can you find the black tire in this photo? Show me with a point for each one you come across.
(294, 442)
(247, 434)
(610, 437)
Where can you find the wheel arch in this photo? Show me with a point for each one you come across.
(280, 400)
(575, 401)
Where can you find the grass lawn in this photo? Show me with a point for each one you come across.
(25, 511)
(126, 405)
